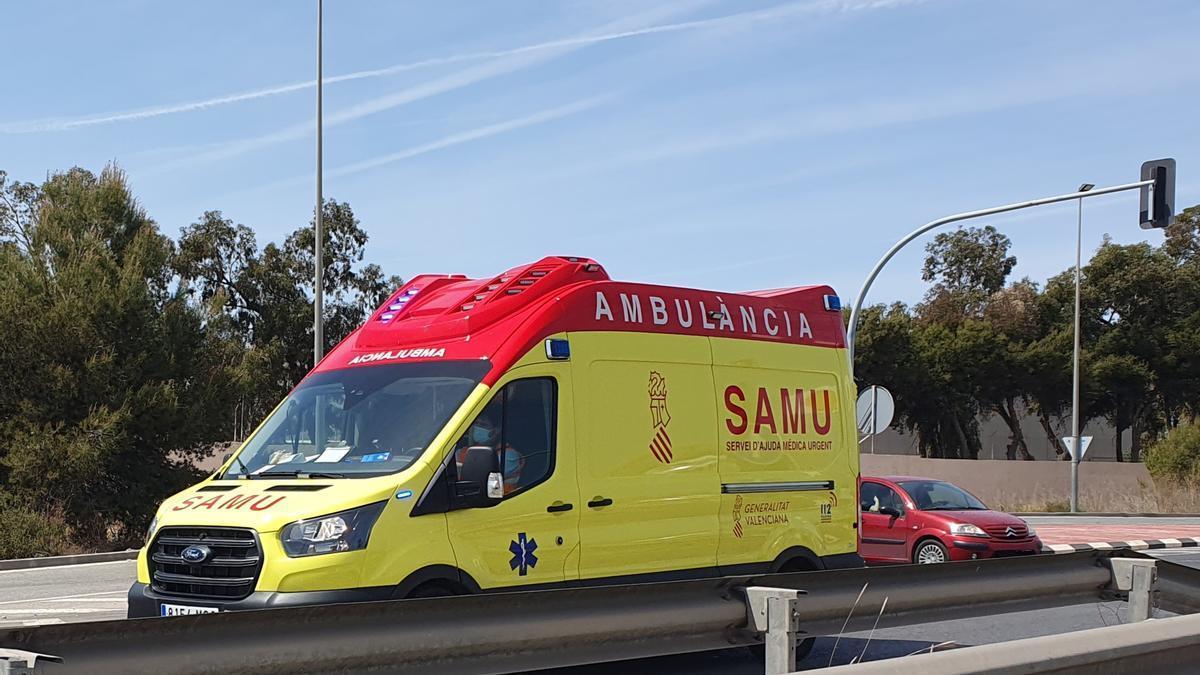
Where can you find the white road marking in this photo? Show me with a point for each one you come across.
(32, 622)
(1137, 544)
(69, 567)
(1101, 546)
(54, 610)
(121, 599)
(59, 597)
(1061, 548)
(1172, 543)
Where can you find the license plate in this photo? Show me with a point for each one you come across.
(184, 610)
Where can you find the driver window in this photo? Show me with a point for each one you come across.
(875, 496)
(518, 424)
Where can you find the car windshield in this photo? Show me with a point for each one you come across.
(358, 422)
(930, 495)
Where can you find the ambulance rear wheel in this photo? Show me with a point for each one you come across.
(434, 589)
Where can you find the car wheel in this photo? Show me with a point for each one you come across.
(929, 552)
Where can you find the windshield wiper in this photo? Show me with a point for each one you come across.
(298, 473)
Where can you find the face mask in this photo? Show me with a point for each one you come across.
(512, 463)
(480, 435)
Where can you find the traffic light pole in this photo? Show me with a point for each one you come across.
(852, 330)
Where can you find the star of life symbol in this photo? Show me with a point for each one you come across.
(660, 442)
(523, 557)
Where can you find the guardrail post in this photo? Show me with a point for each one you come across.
(775, 612)
(1135, 576)
(21, 662)
(15, 666)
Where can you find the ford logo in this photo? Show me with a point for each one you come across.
(195, 554)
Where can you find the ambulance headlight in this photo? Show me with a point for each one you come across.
(335, 533)
(151, 530)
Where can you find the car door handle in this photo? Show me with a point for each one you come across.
(597, 503)
(559, 508)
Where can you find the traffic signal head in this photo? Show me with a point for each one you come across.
(1158, 200)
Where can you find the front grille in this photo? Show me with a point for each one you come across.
(229, 573)
(1020, 532)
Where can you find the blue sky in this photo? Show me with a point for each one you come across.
(723, 145)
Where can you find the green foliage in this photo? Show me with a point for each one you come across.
(979, 346)
(123, 357)
(28, 533)
(1176, 457)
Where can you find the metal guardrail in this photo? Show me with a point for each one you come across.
(1159, 646)
(59, 560)
(509, 632)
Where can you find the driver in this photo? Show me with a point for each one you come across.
(483, 432)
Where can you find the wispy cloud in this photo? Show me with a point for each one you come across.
(451, 140)
(472, 135)
(730, 21)
(1104, 74)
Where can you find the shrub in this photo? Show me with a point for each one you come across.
(29, 533)
(1177, 456)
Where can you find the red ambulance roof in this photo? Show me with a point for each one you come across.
(436, 317)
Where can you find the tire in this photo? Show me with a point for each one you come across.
(432, 589)
(930, 552)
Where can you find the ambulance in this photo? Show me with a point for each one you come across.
(542, 428)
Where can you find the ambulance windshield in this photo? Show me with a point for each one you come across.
(358, 422)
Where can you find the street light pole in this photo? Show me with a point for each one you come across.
(1077, 450)
(852, 329)
(318, 264)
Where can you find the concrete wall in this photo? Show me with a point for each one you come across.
(994, 437)
(1103, 486)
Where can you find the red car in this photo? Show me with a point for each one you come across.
(906, 519)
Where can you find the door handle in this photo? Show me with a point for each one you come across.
(559, 508)
(597, 503)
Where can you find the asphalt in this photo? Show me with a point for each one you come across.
(96, 592)
(88, 592)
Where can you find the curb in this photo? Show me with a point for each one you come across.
(60, 560)
(1100, 514)
(1135, 545)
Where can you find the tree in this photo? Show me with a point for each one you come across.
(263, 299)
(108, 381)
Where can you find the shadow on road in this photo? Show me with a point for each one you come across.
(739, 661)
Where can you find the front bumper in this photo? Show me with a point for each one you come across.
(145, 602)
(972, 548)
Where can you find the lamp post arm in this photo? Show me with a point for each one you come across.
(852, 331)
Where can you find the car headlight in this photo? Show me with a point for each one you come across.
(335, 533)
(1032, 532)
(150, 531)
(967, 530)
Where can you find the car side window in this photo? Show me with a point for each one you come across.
(876, 496)
(869, 497)
(519, 426)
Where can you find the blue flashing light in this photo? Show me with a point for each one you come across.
(558, 350)
(833, 303)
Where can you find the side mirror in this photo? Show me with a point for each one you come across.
(480, 481)
(495, 485)
(891, 511)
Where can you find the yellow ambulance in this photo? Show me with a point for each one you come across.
(544, 427)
